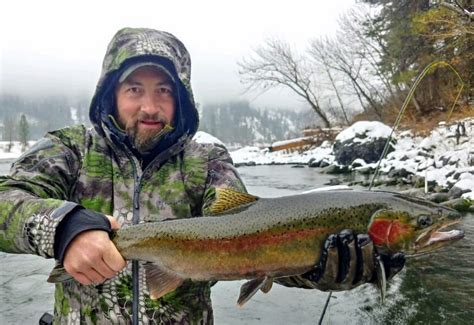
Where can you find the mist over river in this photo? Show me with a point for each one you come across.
(432, 289)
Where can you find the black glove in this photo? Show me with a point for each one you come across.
(349, 260)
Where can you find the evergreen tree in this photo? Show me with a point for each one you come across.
(415, 33)
(23, 132)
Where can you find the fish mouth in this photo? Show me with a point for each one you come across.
(436, 237)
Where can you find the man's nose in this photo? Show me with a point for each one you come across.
(150, 104)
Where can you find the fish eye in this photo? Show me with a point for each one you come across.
(425, 221)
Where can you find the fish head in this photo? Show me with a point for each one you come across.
(413, 226)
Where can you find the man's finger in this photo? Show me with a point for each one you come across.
(113, 259)
(104, 270)
(348, 257)
(82, 278)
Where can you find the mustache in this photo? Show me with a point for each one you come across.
(142, 116)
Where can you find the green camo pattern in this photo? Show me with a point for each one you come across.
(83, 171)
(76, 165)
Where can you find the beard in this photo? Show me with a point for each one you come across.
(145, 139)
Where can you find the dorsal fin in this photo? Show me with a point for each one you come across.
(227, 199)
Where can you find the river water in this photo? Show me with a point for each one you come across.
(433, 289)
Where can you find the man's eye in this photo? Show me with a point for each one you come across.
(165, 91)
(133, 90)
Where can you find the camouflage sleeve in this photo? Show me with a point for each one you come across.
(221, 174)
(34, 196)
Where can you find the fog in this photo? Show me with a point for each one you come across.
(55, 47)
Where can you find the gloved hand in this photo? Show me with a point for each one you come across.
(349, 260)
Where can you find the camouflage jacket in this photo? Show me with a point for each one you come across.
(93, 168)
(77, 166)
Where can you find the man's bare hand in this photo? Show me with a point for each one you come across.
(92, 258)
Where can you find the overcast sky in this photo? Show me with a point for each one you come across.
(53, 46)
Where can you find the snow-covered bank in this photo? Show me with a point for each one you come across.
(14, 152)
(440, 158)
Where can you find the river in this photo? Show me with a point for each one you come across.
(432, 289)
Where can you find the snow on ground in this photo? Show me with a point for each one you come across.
(15, 150)
(437, 157)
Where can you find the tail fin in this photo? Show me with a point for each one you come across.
(59, 274)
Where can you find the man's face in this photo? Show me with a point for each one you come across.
(145, 104)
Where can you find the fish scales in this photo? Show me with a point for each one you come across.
(260, 239)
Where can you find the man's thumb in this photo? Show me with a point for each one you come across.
(113, 222)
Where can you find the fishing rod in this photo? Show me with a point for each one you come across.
(429, 68)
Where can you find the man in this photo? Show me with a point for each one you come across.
(137, 164)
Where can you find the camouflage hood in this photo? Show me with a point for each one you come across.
(133, 45)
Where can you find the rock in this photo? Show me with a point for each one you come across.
(456, 192)
(439, 189)
(335, 169)
(439, 197)
(460, 204)
(297, 166)
(416, 192)
(425, 154)
(333, 181)
(370, 151)
(357, 163)
(398, 173)
(366, 170)
(314, 163)
(391, 182)
(417, 181)
(324, 163)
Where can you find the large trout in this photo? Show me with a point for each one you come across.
(264, 238)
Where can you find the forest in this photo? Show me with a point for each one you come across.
(364, 72)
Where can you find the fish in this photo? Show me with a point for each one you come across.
(261, 239)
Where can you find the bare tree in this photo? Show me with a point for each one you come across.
(318, 52)
(275, 64)
(339, 57)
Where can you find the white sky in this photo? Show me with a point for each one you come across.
(54, 46)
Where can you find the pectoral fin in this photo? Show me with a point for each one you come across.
(160, 281)
(59, 274)
(267, 286)
(381, 279)
(227, 200)
(251, 287)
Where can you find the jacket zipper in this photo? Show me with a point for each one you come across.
(135, 220)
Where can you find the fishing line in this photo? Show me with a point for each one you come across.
(325, 308)
(411, 93)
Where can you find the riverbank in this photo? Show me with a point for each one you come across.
(440, 162)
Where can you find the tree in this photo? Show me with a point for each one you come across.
(415, 33)
(8, 129)
(23, 132)
(275, 65)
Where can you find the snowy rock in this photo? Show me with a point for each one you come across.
(363, 140)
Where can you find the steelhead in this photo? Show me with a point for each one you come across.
(265, 238)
